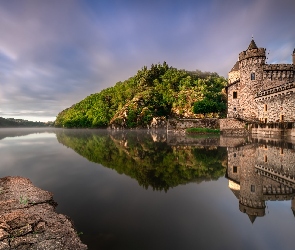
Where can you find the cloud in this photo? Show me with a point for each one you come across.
(58, 52)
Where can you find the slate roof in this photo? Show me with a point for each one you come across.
(236, 67)
(252, 45)
(252, 218)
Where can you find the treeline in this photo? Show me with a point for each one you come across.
(11, 122)
(158, 91)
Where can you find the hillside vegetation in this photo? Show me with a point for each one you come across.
(155, 92)
(11, 122)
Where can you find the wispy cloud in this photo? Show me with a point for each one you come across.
(55, 53)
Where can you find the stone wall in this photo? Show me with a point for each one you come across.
(233, 76)
(233, 126)
(277, 105)
(180, 125)
(277, 74)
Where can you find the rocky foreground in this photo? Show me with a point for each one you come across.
(28, 219)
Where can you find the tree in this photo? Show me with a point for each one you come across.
(206, 106)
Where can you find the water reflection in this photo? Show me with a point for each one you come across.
(261, 171)
(148, 158)
(114, 212)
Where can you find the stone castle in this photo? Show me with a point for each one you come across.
(260, 92)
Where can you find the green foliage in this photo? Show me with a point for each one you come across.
(23, 200)
(152, 164)
(157, 91)
(206, 106)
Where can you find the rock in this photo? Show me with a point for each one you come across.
(28, 219)
(3, 234)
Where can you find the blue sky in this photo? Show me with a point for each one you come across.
(54, 53)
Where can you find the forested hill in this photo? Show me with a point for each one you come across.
(158, 91)
(11, 122)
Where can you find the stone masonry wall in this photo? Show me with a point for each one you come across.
(180, 125)
(233, 76)
(283, 104)
(249, 87)
(232, 126)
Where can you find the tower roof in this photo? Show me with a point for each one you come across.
(252, 218)
(236, 67)
(294, 51)
(252, 45)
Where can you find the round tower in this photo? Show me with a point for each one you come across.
(251, 64)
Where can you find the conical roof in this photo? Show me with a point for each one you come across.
(252, 45)
(236, 67)
(252, 218)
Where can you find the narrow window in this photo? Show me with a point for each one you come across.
(252, 188)
(235, 155)
(235, 94)
(235, 109)
(265, 158)
(252, 76)
(265, 107)
(265, 120)
(235, 169)
(282, 151)
(282, 118)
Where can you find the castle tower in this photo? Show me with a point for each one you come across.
(251, 64)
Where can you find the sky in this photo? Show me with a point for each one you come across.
(54, 53)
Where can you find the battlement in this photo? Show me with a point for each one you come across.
(259, 52)
(276, 67)
(285, 88)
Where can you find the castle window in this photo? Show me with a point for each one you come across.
(235, 155)
(235, 109)
(282, 118)
(265, 158)
(235, 94)
(265, 107)
(235, 169)
(252, 188)
(252, 76)
(265, 120)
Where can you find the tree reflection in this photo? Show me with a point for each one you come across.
(148, 157)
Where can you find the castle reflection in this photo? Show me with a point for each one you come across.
(260, 171)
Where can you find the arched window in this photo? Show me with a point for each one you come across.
(252, 76)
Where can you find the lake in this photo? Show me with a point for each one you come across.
(153, 190)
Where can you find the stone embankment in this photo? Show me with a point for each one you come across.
(232, 126)
(180, 125)
(28, 219)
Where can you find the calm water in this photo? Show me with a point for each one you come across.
(141, 190)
